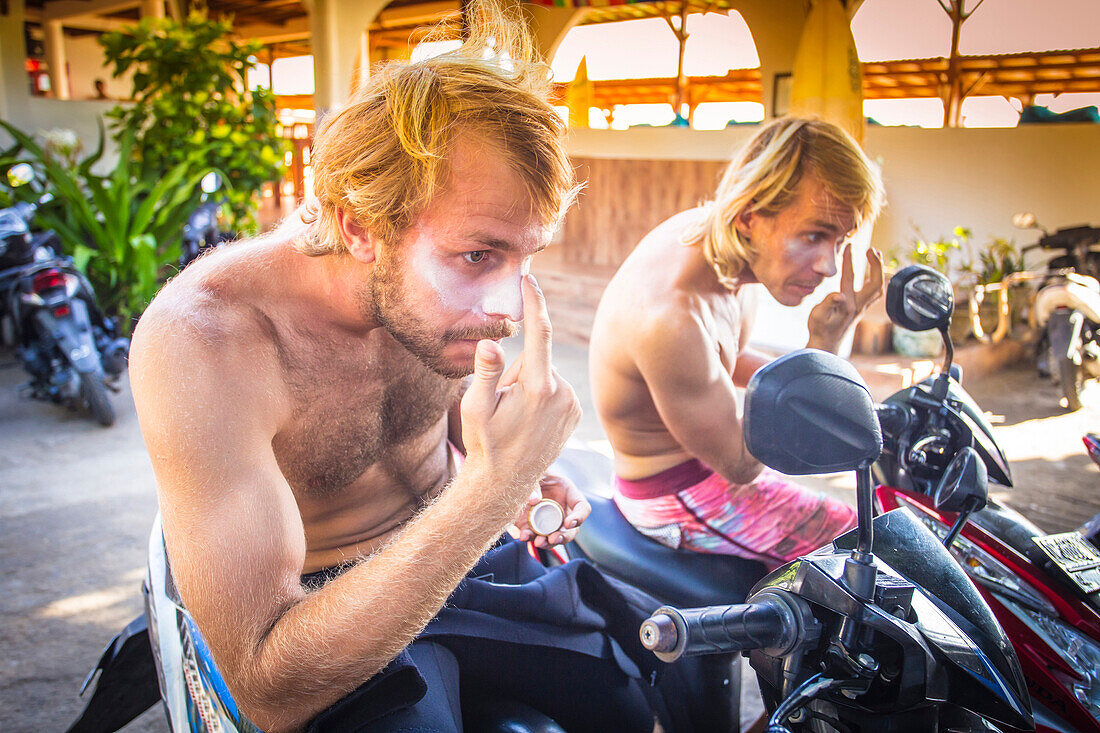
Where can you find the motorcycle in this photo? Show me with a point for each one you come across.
(50, 317)
(1067, 306)
(1043, 589)
(201, 232)
(880, 631)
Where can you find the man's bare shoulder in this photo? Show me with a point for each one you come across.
(209, 327)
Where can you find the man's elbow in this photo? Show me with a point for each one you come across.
(744, 472)
(272, 713)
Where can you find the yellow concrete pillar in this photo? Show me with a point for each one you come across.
(776, 27)
(56, 58)
(578, 97)
(13, 76)
(828, 80)
(339, 39)
(549, 26)
(152, 9)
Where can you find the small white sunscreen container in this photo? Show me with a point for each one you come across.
(546, 517)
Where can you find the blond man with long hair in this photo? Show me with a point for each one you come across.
(669, 346)
(302, 401)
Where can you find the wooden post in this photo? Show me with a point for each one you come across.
(681, 34)
(953, 99)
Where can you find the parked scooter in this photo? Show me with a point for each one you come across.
(1043, 589)
(50, 317)
(202, 232)
(880, 632)
(1067, 306)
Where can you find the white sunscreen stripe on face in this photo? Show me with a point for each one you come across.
(501, 297)
(448, 286)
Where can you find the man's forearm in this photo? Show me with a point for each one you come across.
(748, 361)
(329, 642)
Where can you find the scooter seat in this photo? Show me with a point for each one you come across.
(1077, 294)
(682, 578)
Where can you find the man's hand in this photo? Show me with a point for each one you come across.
(561, 490)
(830, 319)
(515, 422)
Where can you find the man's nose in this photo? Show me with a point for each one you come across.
(826, 263)
(504, 298)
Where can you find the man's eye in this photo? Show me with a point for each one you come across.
(474, 257)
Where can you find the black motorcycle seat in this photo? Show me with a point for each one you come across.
(679, 577)
(682, 578)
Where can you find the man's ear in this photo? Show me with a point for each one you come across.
(361, 244)
(742, 222)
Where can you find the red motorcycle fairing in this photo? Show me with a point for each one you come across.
(1049, 677)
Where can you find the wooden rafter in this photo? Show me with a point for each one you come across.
(1012, 75)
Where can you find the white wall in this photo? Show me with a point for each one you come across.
(86, 64)
(978, 178)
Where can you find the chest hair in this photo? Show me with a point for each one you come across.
(358, 406)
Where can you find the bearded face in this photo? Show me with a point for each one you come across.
(420, 322)
(454, 276)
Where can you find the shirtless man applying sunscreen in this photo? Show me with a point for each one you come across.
(669, 344)
(302, 399)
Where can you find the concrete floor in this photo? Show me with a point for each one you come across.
(77, 500)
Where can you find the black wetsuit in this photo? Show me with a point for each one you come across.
(563, 641)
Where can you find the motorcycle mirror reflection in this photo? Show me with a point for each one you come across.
(920, 299)
(20, 174)
(211, 182)
(964, 488)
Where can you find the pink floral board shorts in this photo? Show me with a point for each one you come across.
(772, 519)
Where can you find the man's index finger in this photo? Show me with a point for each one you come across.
(537, 332)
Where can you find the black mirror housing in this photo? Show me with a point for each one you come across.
(920, 299)
(810, 412)
(964, 485)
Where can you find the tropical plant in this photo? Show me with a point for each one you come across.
(996, 261)
(121, 229)
(989, 264)
(191, 103)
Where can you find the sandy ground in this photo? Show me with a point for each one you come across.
(77, 500)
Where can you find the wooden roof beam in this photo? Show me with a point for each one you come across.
(64, 9)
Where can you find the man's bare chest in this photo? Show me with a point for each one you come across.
(357, 411)
(722, 321)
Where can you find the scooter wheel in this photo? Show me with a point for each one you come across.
(95, 397)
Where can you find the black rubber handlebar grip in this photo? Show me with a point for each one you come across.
(763, 623)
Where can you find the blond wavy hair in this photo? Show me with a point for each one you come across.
(763, 179)
(383, 157)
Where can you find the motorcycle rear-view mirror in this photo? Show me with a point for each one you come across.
(964, 483)
(920, 299)
(20, 174)
(964, 488)
(211, 182)
(810, 412)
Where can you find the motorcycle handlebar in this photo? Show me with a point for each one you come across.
(766, 622)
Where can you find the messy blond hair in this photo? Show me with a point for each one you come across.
(763, 178)
(383, 157)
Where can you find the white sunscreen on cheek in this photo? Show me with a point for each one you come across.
(451, 290)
